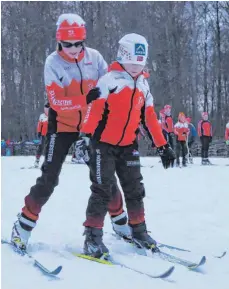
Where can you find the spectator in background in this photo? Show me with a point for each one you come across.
(167, 125)
(3, 147)
(181, 131)
(191, 138)
(205, 134)
(227, 137)
(42, 128)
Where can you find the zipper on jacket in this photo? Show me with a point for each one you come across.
(81, 89)
(128, 119)
(80, 117)
(81, 76)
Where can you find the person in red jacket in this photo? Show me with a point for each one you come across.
(205, 134)
(181, 131)
(167, 124)
(70, 73)
(122, 99)
(42, 129)
(227, 137)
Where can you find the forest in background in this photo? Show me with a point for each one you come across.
(188, 54)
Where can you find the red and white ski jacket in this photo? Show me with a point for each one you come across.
(67, 83)
(167, 124)
(227, 132)
(115, 116)
(204, 128)
(181, 130)
(42, 125)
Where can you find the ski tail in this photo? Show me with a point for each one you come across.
(36, 263)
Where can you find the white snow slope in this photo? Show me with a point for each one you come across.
(187, 208)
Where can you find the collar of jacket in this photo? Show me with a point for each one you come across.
(115, 66)
(72, 60)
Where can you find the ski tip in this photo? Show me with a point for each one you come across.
(167, 273)
(222, 255)
(197, 265)
(56, 271)
(202, 261)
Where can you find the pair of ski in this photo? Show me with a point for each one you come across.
(108, 260)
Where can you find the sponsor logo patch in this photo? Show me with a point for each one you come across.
(140, 49)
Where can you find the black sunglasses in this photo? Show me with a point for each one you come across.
(69, 44)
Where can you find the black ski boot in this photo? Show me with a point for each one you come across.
(203, 162)
(142, 239)
(178, 163)
(93, 244)
(184, 162)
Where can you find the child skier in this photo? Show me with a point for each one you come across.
(205, 134)
(181, 131)
(110, 127)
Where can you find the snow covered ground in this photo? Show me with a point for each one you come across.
(188, 208)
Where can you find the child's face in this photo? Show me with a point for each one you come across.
(72, 48)
(182, 118)
(167, 111)
(133, 69)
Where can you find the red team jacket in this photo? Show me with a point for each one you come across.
(167, 124)
(181, 130)
(67, 83)
(42, 125)
(227, 132)
(204, 128)
(122, 100)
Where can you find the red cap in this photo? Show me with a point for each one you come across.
(70, 27)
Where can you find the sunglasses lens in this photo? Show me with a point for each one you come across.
(77, 44)
(69, 44)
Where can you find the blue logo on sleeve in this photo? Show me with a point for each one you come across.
(140, 49)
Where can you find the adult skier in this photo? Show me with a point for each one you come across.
(70, 72)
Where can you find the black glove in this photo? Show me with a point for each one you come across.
(167, 156)
(93, 94)
(82, 149)
(39, 135)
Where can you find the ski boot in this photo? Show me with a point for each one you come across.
(36, 164)
(190, 160)
(21, 232)
(74, 161)
(93, 244)
(177, 163)
(203, 162)
(142, 239)
(184, 162)
(120, 226)
(208, 162)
